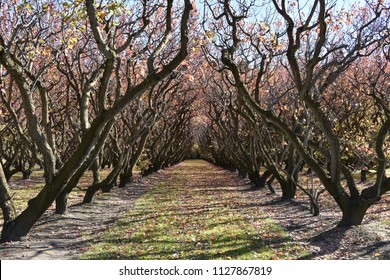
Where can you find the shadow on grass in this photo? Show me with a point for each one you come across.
(194, 215)
(382, 247)
(224, 248)
(328, 241)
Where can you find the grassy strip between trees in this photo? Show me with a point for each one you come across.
(24, 190)
(189, 218)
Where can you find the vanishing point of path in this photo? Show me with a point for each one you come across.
(193, 210)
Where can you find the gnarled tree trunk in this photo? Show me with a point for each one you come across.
(6, 203)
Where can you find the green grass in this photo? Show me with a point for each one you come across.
(177, 221)
(24, 190)
(35, 173)
(385, 222)
(23, 195)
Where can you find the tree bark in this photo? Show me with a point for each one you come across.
(289, 189)
(363, 174)
(6, 203)
(107, 184)
(242, 173)
(257, 180)
(62, 198)
(353, 213)
(125, 178)
(314, 208)
(62, 203)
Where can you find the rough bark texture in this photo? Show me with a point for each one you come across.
(6, 203)
(62, 203)
(354, 213)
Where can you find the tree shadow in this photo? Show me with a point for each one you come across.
(381, 247)
(203, 249)
(328, 241)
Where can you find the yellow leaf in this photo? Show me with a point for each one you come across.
(102, 14)
(209, 36)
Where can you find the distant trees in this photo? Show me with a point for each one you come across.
(171, 139)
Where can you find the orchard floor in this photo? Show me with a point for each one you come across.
(205, 205)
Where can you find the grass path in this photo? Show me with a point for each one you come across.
(197, 212)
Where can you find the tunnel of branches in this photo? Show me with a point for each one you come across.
(285, 93)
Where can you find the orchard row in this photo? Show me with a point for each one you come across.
(276, 90)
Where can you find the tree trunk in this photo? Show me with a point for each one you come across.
(9, 173)
(152, 169)
(314, 208)
(269, 184)
(107, 184)
(288, 191)
(353, 213)
(62, 198)
(106, 188)
(6, 203)
(89, 194)
(26, 174)
(290, 188)
(231, 168)
(21, 225)
(257, 180)
(95, 171)
(363, 174)
(242, 173)
(96, 184)
(124, 178)
(62, 203)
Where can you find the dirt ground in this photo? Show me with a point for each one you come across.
(320, 234)
(64, 236)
